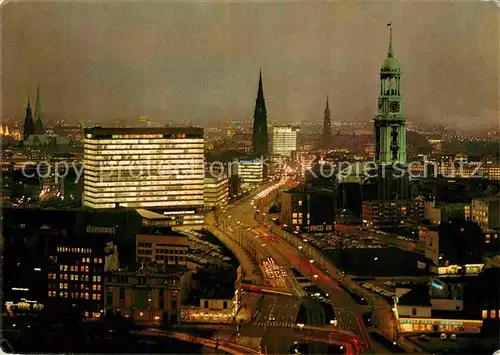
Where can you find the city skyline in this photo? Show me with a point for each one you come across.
(91, 65)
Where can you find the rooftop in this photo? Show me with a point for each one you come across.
(102, 132)
(417, 296)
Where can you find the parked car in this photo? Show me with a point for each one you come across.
(443, 336)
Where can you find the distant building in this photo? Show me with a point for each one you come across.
(486, 213)
(260, 139)
(45, 141)
(308, 210)
(39, 127)
(153, 168)
(76, 273)
(170, 249)
(327, 127)
(250, 172)
(216, 190)
(380, 214)
(286, 140)
(455, 248)
(29, 124)
(437, 308)
(444, 212)
(151, 295)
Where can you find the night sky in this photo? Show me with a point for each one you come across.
(199, 61)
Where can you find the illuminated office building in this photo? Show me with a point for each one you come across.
(486, 213)
(285, 140)
(250, 172)
(216, 190)
(151, 168)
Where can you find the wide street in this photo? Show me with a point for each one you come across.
(239, 221)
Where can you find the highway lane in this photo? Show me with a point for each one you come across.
(241, 217)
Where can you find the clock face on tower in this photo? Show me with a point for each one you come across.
(394, 106)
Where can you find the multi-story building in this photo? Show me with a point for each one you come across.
(438, 308)
(76, 273)
(486, 213)
(250, 172)
(149, 295)
(285, 140)
(379, 214)
(308, 210)
(216, 190)
(171, 248)
(160, 169)
(444, 212)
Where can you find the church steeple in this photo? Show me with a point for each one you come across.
(389, 52)
(39, 129)
(29, 125)
(260, 137)
(327, 125)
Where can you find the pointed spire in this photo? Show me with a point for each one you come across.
(327, 107)
(260, 137)
(390, 53)
(7, 133)
(39, 129)
(29, 125)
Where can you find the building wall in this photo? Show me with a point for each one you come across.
(380, 214)
(486, 213)
(216, 191)
(149, 299)
(144, 168)
(285, 140)
(163, 249)
(251, 172)
(414, 311)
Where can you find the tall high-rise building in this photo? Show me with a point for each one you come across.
(29, 125)
(285, 140)
(327, 126)
(39, 128)
(260, 139)
(390, 123)
(159, 169)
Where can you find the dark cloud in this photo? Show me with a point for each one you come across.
(195, 62)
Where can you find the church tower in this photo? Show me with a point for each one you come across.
(390, 123)
(392, 181)
(39, 128)
(29, 125)
(260, 139)
(327, 126)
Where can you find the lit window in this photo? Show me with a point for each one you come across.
(82, 268)
(61, 267)
(50, 293)
(50, 276)
(100, 260)
(65, 267)
(98, 296)
(87, 268)
(76, 277)
(300, 202)
(294, 215)
(83, 260)
(61, 286)
(98, 279)
(94, 287)
(72, 277)
(88, 260)
(485, 314)
(493, 314)
(94, 278)
(86, 295)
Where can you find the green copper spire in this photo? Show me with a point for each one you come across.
(389, 53)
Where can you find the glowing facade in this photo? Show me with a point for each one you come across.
(152, 168)
(251, 172)
(216, 190)
(285, 140)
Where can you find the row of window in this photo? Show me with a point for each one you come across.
(493, 314)
(76, 295)
(74, 268)
(74, 250)
(96, 260)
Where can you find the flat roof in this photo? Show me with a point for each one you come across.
(106, 131)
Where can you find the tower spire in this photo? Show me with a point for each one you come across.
(390, 53)
(260, 137)
(39, 129)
